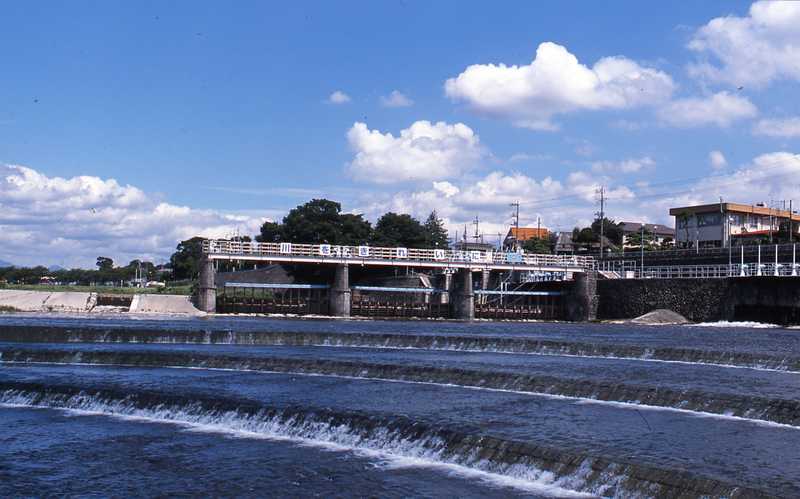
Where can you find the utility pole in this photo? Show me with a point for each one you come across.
(791, 223)
(602, 217)
(641, 246)
(516, 224)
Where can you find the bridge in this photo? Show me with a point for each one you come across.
(457, 265)
(396, 257)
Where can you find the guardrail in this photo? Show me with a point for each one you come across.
(362, 253)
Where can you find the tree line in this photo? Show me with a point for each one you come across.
(105, 273)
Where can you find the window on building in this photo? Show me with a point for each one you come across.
(707, 219)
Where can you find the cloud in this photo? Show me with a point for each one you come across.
(717, 160)
(521, 156)
(71, 221)
(752, 50)
(564, 204)
(785, 127)
(338, 97)
(396, 99)
(555, 83)
(632, 165)
(423, 151)
(720, 109)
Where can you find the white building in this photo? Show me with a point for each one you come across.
(721, 225)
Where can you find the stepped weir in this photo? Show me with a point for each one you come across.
(569, 294)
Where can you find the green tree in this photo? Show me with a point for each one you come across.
(321, 221)
(105, 263)
(355, 230)
(538, 245)
(435, 232)
(403, 230)
(185, 262)
(611, 230)
(271, 232)
(637, 240)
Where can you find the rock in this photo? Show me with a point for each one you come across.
(661, 316)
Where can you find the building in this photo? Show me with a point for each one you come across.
(721, 225)
(520, 235)
(658, 235)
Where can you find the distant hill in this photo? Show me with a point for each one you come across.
(55, 268)
(5, 264)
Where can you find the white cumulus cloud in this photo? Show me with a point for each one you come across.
(785, 127)
(717, 160)
(632, 165)
(423, 151)
(720, 109)
(338, 97)
(396, 99)
(72, 221)
(554, 83)
(752, 50)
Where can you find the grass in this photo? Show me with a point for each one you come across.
(106, 290)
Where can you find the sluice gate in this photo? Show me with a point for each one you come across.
(386, 302)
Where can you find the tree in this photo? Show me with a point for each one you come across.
(399, 230)
(105, 263)
(321, 221)
(611, 230)
(435, 232)
(648, 241)
(537, 245)
(271, 232)
(185, 262)
(683, 222)
(355, 230)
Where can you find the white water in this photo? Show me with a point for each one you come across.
(743, 324)
(390, 448)
(630, 405)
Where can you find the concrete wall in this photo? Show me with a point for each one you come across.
(763, 299)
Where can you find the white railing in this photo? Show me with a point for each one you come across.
(361, 253)
(717, 271)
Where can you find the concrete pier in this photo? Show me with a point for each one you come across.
(207, 289)
(463, 303)
(340, 292)
(582, 300)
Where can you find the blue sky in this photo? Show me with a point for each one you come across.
(181, 117)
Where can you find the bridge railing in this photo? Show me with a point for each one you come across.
(360, 253)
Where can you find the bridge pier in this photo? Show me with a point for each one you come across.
(581, 300)
(207, 287)
(340, 292)
(463, 303)
(447, 287)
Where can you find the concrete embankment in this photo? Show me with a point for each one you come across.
(79, 302)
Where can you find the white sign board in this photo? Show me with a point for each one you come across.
(325, 249)
(439, 254)
(363, 251)
(401, 252)
(286, 248)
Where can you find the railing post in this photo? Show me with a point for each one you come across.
(794, 260)
(776, 261)
(741, 273)
(758, 269)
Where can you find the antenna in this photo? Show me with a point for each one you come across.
(602, 192)
(476, 223)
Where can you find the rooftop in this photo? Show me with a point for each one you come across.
(734, 208)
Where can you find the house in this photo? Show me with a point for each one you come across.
(656, 234)
(721, 225)
(564, 244)
(517, 236)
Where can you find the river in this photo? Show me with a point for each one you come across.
(289, 408)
